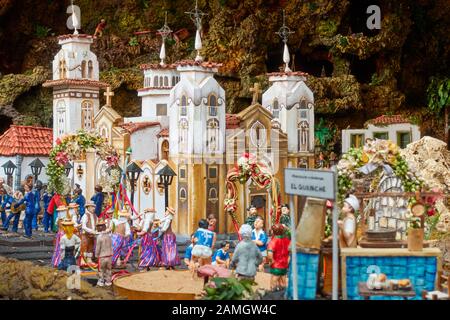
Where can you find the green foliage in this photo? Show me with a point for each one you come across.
(42, 31)
(133, 42)
(228, 289)
(438, 94)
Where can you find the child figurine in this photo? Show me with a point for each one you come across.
(212, 222)
(150, 251)
(221, 257)
(188, 254)
(120, 238)
(204, 241)
(69, 245)
(347, 226)
(259, 237)
(247, 256)
(278, 255)
(103, 251)
(251, 216)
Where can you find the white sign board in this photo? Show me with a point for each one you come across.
(310, 183)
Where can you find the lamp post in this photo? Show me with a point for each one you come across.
(9, 168)
(68, 166)
(166, 175)
(36, 168)
(133, 172)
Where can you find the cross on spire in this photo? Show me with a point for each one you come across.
(165, 31)
(196, 16)
(256, 92)
(108, 94)
(284, 33)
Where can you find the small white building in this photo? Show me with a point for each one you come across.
(395, 128)
(22, 145)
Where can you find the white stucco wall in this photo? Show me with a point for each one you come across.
(144, 143)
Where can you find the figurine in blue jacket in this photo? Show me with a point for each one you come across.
(5, 203)
(97, 198)
(37, 203)
(48, 219)
(80, 200)
(29, 210)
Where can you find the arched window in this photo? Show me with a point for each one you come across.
(61, 118)
(155, 81)
(87, 115)
(303, 136)
(83, 69)
(212, 102)
(173, 81)
(276, 109)
(183, 136)
(213, 195)
(183, 108)
(161, 81)
(183, 194)
(212, 135)
(165, 150)
(62, 69)
(166, 81)
(104, 132)
(90, 69)
(258, 135)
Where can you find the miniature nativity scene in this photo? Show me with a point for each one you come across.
(188, 201)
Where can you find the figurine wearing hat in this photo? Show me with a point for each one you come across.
(69, 245)
(252, 213)
(347, 226)
(150, 249)
(120, 237)
(169, 251)
(61, 215)
(104, 252)
(88, 225)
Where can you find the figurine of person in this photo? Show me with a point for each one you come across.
(169, 251)
(69, 245)
(47, 220)
(260, 238)
(120, 238)
(80, 200)
(188, 254)
(14, 212)
(5, 207)
(98, 198)
(62, 214)
(150, 251)
(104, 253)
(88, 234)
(221, 257)
(247, 256)
(55, 202)
(99, 29)
(3, 198)
(204, 240)
(212, 222)
(37, 203)
(347, 226)
(252, 213)
(278, 256)
(285, 217)
(29, 202)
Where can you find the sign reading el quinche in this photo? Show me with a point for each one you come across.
(310, 183)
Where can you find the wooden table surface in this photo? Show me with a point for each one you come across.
(366, 292)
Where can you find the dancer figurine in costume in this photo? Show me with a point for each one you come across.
(69, 245)
(88, 226)
(204, 240)
(259, 237)
(120, 238)
(28, 199)
(169, 252)
(62, 214)
(104, 252)
(252, 213)
(150, 250)
(278, 256)
(347, 226)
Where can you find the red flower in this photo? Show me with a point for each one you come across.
(61, 158)
(431, 212)
(58, 141)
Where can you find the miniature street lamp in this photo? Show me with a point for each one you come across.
(67, 167)
(36, 168)
(80, 171)
(9, 168)
(166, 175)
(133, 172)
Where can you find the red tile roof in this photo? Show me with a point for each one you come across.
(75, 82)
(204, 64)
(68, 36)
(232, 121)
(153, 88)
(386, 120)
(157, 66)
(132, 127)
(291, 73)
(163, 133)
(26, 140)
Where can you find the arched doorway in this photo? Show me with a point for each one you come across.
(165, 150)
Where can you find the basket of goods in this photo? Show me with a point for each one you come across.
(404, 284)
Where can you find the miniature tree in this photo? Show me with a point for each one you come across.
(438, 95)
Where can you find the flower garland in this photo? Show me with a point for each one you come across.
(71, 147)
(248, 168)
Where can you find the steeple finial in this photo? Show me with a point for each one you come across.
(75, 21)
(284, 33)
(164, 32)
(196, 16)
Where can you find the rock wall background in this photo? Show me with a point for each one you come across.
(356, 73)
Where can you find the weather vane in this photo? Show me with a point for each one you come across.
(164, 32)
(284, 31)
(196, 15)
